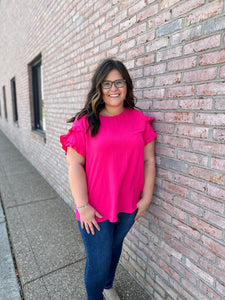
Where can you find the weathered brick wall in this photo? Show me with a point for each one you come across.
(175, 51)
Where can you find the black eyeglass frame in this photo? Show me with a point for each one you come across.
(113, 82)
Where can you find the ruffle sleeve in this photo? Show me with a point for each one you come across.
(149, 132)
(75, 138)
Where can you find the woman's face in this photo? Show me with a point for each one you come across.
(114, 96)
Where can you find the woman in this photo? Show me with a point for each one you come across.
(110, 154)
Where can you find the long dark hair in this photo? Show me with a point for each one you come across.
(94, 102)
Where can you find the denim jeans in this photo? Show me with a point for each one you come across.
(103, 250)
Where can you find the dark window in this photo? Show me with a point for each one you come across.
(37, 105)
(4, 99)
(14, 100)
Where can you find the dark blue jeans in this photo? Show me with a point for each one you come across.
(103, 250)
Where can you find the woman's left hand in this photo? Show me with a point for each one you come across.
(142, 206)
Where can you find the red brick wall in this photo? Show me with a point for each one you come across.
(175, 51)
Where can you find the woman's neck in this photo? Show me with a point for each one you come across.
(112, 111)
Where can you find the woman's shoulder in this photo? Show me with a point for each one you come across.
(138, 116)
(80, 122)
(136, 113)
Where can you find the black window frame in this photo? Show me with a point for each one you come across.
(36, 95)
(14, 100)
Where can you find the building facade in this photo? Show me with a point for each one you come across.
(175, 52)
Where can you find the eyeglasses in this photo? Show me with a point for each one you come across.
(119, 83)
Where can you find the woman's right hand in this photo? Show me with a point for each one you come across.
(87, 219)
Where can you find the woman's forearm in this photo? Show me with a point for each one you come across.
(147, 192)
(149, 172)
(149, 180)
(78, 184)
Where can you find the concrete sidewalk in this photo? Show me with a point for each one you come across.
(45, 238)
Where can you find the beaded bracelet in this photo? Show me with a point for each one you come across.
(82, 207)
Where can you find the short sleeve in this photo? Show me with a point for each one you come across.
(149, 132)
(75, 138)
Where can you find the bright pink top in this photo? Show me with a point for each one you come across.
(114, 160)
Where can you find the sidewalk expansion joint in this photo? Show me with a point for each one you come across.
(53, 271)
(30, 202)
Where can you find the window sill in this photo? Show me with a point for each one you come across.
(16, 124)
(39, 134)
